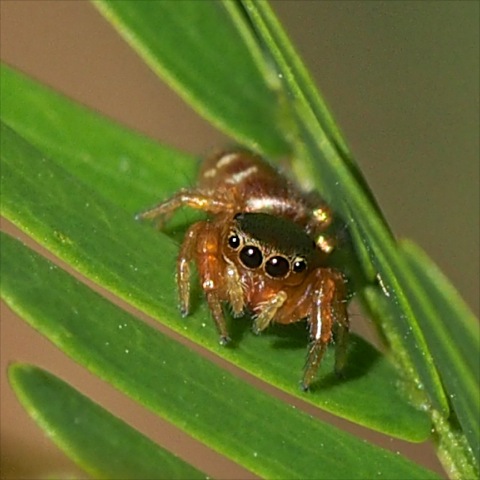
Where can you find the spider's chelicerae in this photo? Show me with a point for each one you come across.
(262, 250)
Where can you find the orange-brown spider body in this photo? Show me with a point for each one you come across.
(262, 250)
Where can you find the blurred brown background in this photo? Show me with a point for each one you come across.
(402, 80)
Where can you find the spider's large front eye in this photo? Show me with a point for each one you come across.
(251, 256)
(299, 265)
(277, 267)
(234, 241)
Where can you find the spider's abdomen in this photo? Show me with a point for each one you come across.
(241, 172)
(255, 184)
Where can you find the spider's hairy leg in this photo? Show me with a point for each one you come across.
(185, 257)
(218, 316)
(211, 268)
(200, 200)
(329, 307)
(234, 288)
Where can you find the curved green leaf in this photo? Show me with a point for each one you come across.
(202, 56)
(453, 325)
(129, 169)
(264, 434)
(100, 443)
(135, 262)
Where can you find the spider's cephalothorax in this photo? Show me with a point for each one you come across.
(263, 250)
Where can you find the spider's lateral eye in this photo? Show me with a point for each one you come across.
(299, 265)
(251, 256)
(277, 266)
(233, 241)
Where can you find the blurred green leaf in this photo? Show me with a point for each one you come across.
(136, 263)
(212, 405)
(100, 443)
(195, 47)
(129, 169)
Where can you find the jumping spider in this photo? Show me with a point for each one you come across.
(263, 250)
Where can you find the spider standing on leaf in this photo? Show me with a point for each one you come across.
(262, 250)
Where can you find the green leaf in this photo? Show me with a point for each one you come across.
(459, 367)
(136, 263)
(168, 378)
(79, 427)
(202, 56)
(127, 168)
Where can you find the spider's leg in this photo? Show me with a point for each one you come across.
(211, 266)
(191, 198)
(234, 289)
(218, 316)
(185, 256)
(329, 309)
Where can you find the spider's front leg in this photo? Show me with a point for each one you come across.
(234, 288)
(206, 201)
(202, 244)
(329, 308)
(185, 257)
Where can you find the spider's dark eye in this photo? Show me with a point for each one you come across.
(251, 256)
(299, 265)
(277, 266)
(233, 241)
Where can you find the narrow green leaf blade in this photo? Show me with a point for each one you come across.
(191, 392)
(453, 325)
(129, 169)
(101, 444)
(136, 263)
(195, 47)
